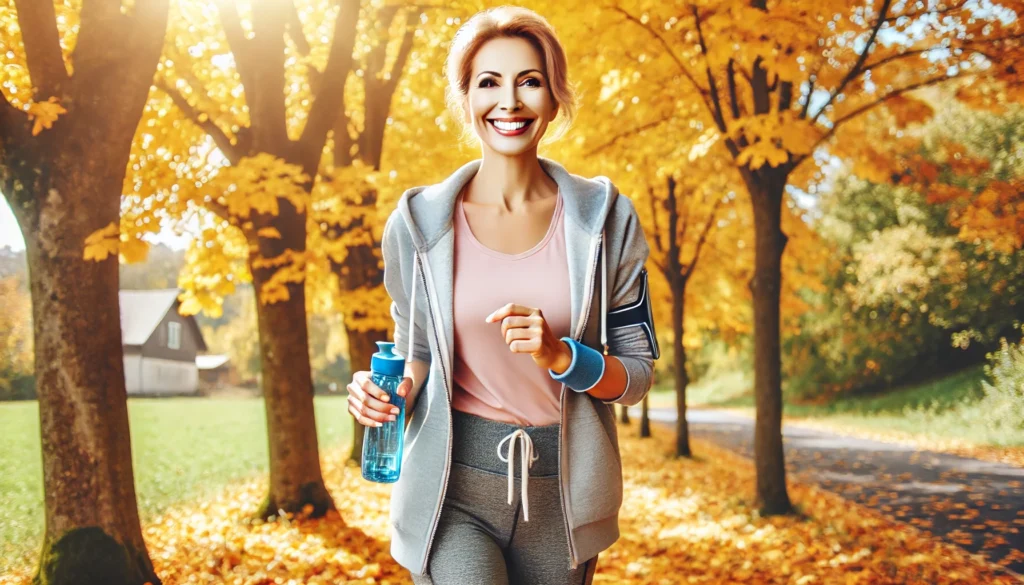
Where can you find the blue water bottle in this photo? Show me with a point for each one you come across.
(382, 446)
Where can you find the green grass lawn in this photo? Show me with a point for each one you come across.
(182, 448)
(944, 408)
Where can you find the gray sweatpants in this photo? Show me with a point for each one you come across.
(483, 540)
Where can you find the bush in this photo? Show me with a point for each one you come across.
(17, 387)
(1004, 396)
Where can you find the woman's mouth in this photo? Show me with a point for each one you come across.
(513, 127)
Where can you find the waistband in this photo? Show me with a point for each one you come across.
(476, 440)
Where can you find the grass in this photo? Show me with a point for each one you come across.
(944, 408)
(182, 449)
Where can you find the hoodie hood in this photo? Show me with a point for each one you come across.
(429, 210)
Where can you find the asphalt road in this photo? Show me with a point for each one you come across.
(976, 504)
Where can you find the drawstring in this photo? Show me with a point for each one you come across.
(412, 308)
(604, 293)
(527, 458)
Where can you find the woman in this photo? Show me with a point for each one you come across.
(495, 274)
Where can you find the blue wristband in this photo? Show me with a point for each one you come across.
(585, 370)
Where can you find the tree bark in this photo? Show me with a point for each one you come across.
(296, 479)
(92, 521)
(63, 185)
(645, 420)
(766, 284)
(623, 415)
(679, 366)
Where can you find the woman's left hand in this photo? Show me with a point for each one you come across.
(525, 331)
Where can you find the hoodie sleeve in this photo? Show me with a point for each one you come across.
(399, 271)
(630, 326)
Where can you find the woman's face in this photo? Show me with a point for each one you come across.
(509, 100)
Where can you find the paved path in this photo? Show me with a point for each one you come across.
(976, 504)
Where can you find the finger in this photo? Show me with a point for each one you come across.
(379, 406)
(375, 390)
(520, 333)
(405, 386)
(509, 309)
(525, 345)
(366, 422)
(369, 411)
(514, 321)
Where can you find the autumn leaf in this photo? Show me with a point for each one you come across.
(44, 114)
(102, 243)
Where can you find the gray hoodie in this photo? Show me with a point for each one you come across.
(606, 251)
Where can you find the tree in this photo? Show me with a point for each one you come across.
(262, 192)
(61, 169)
(776, 82)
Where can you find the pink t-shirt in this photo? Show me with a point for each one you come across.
(491, 381)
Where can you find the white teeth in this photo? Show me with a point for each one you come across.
(509, 126)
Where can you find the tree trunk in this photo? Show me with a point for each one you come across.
(63, 185)
(623, 414)
(361, 347)
(766, 284)
(679, 367)
(93, 534)
(645, 420)
(296, 479)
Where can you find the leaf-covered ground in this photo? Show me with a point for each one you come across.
(683, 521)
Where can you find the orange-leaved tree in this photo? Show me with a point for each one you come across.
(778, 82)
(75, 81)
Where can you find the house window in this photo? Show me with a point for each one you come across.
(174, 335)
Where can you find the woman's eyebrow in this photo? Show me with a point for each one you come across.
(521, 73)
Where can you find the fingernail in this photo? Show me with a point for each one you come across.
(378, 424)
(394, 411)
(391, 417)
(386, 398)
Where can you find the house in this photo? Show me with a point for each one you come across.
(160, 346)
(215, 371)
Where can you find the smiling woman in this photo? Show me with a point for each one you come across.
(518, 298)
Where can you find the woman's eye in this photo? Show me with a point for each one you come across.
(484, 82)
(536, 82)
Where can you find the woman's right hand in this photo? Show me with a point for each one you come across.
(370, 404)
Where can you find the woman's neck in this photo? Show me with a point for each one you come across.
(510, 182)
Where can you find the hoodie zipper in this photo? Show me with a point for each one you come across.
(444, 375)
(579, 335)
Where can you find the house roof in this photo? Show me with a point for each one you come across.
(142, 311)
(211, 361)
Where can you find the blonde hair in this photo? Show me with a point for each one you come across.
(509, 22)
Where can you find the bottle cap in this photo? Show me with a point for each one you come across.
(386, 361)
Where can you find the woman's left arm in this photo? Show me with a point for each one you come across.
(632, 342)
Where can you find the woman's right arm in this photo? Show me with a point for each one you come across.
(396, 248)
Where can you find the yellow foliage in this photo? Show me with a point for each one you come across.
(44, 114)
(102, 243)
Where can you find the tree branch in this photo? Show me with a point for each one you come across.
(860, 110)
(631, 132)
(233, 152)
(403, 51)
(294, 27)
(38, 23)
(716, 112)
(925, 12)
(703, 237)
(733, 97)
(855, 70)
(654, 219)
(236, 39)
(671, 53)
(327, 100)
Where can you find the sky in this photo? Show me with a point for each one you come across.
(10, 233)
